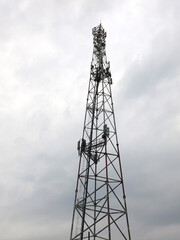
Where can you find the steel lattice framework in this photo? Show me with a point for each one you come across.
(100, 210)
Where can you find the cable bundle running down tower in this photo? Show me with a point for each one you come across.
(100, 210)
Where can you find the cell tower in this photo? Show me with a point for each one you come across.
(100, 210)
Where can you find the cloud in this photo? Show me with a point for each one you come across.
(162, 64)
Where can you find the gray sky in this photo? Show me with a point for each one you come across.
(45, 55)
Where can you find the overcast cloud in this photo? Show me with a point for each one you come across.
(45, 55)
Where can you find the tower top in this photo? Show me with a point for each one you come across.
(99, 36)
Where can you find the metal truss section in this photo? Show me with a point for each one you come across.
(100, 210)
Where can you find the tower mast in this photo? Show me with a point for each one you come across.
(100, 210)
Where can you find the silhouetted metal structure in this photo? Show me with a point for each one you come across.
(100, 210)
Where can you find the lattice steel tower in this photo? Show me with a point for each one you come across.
(100, 210)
